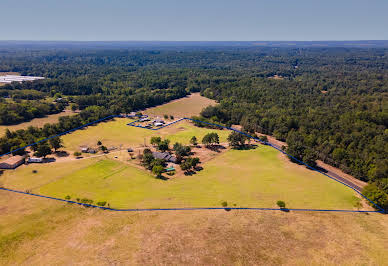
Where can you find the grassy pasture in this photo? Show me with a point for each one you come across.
(249, 178)
(184, 107)
(117, 132)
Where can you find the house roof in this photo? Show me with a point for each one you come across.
(165, 156)
(13, 159)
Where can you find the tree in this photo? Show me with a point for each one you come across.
(189, 164)
(43, 149)
(211, 139)
(378, 196)
(165, 116)
(156, 141)
(103, 148)
(194, 141)
(74, 107)
(281, 204)
(181, 150)
(157, 170)
(99, 143)
(163, 145)
(236, 139)
(56, 143)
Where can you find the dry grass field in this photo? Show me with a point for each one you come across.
(35, 231)
(184, 107)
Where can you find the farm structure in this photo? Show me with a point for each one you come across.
(12, 163)
(165, 156)
(15, 78)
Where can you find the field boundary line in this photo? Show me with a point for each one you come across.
(380, 209)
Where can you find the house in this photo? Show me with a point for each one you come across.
(84, 149)
(12, 162)
(157, 124)
(144, 119)
(165, 156)
(35, 160)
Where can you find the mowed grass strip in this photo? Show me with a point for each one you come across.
(248, 178)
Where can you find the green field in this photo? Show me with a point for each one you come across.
(247, 178)
(117, 132)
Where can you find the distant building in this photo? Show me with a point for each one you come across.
(35, 160)
(132, 115)
(158, 124)
(158, 120)
(84, 149)
(165, 156)
(144, 119)
(13, 162)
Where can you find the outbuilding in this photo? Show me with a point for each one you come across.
(35, 160)
(13, 162)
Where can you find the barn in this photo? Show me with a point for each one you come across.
(12, 163)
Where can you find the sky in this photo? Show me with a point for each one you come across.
(195, 20)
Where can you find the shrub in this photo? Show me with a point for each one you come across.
(77, 153)
(99, 143)
(224, 204)
(171, 117)
(165, 116)
(67, 197)
(281, 204)
(101, 203)
(34, 171)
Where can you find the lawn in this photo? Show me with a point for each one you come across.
(248, 178)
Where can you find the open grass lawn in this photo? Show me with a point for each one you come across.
(184, 107)
(247, 178)
(36, 231)
(117, 132)
(36, 122)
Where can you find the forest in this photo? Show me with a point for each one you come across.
(325, 103)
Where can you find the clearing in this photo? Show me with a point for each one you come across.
(36, 122)
(189, 106)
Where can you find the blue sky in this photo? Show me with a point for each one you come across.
(195, 20)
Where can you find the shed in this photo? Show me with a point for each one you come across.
(35, 160)
(13, 162)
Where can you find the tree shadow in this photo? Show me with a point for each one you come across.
(285, 209)
(161, 177)
(246, 147)
(62, 153)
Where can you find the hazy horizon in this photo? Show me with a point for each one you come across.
(176, 20)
